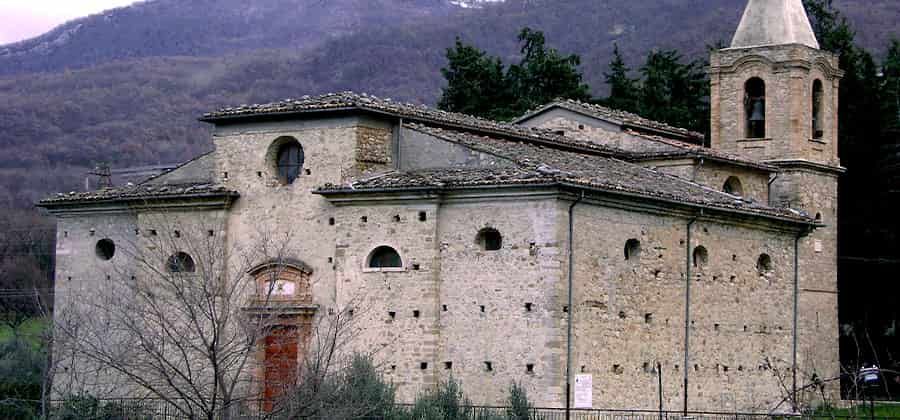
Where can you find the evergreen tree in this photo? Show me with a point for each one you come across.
(891, 95)
(544, 74)
(476, 84)
(673, 92)
(623, 91)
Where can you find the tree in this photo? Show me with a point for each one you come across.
(476, 84)
(673, 92)
(544, 74)
(623, 91)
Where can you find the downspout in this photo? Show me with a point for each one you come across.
(687, 308)
(800, 235)
(772, 179)
(570, 308)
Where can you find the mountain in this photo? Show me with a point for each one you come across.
(206, 27)
(125, 86)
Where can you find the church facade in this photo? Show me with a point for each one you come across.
(577, 242)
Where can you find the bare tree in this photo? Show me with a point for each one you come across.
(185, 315)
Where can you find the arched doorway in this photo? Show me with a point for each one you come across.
(284, 304)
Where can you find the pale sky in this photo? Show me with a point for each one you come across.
(22, 19)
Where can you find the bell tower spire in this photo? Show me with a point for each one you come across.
(774, 22)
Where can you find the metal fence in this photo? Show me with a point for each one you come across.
(149, 409)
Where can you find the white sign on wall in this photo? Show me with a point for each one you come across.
(584, 394)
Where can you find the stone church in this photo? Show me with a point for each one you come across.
(578, 242)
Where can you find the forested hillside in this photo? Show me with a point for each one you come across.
(127, 85)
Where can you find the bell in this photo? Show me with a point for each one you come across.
(758, 112)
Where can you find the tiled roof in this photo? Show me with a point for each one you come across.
(346, 101)
(680, 149)
(539, 165)
(614, 115)
(138, 193)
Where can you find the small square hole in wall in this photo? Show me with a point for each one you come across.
(331, 221)
(745, 328)
(581, 126)
(210, 233)
(583, 369)
(66, 234)
(396, 218)
(423, 216)
(308, 172)
(416, 314)
(153, 232)
(528, 306)
(68, 279)
(448, 365)
(177, 233)
(364, 219)
(416, 267)
(259, 174)
(622, 315)
(423, 365)
(392, 315)
(482, 308)
(566, 309)
(133, 278)
(350, 312)
(225, 175)
(646, 367)
(137, 231)
(393, 368)
(529, 368)
(330, 260)
(488, 366)
(617, 369)
(716, 327)
(444, 308)
(648, 318)
(108, 277)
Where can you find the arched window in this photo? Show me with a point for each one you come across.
(755, 108)
(105, 249)
(181, 262)
(701, 257)
(733, 186)
(818, 126)
(764, 264)
(489, 239)
(632, 250)
(385, 257)
(288, 159)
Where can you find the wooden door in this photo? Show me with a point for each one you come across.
(280, 362)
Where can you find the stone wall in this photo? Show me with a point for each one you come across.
(630, 313)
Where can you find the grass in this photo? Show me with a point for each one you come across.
(31, 331)
(862, 412)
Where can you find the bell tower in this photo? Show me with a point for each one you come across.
(774, 99)
(774, 93)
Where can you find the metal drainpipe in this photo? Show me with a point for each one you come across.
(800, 234)
(570, 308)
(687, 308)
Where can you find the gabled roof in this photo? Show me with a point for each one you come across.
(679, 149)
(623, 118)
(536, 165)
(355, 102)
(774, 22)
